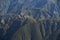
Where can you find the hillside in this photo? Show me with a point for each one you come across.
(29, 20)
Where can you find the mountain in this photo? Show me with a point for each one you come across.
(29, 20)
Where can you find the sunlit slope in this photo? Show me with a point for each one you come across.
(29, 31)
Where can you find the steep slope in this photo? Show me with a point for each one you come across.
(29, 31)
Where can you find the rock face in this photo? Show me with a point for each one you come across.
(29, 20)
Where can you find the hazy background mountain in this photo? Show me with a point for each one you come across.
(29, 19)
